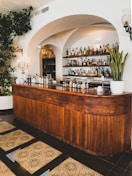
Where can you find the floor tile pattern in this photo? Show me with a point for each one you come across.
(35, 156)
(72, 167)
(14, 139)
(4, 170)
(5, 126)
(114, 165)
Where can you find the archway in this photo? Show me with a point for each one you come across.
(66, 31)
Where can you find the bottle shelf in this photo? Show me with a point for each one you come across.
(77, 56)
(86, 76)
(86, 66)
(88, 63)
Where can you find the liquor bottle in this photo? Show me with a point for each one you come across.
(100, 50)
(73, 52)
(96, 72)
(104, 49)
(83, 85)
(67, 52)
(76, 51)
(88, 51)
(73, 83)
(70, 83)
(80, 51)
(69, 71)
(97, 51)
(84, 51)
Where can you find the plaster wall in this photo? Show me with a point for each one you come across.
(110, 10)
(43, 29)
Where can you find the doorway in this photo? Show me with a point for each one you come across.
(48, 62)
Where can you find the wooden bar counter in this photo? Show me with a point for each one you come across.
(97, 124)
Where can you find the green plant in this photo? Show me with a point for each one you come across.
(12, 24)
(116, 60)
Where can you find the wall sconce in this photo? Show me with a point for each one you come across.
(23, 62)
(126, 21)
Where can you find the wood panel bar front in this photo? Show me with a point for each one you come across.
(100, 125)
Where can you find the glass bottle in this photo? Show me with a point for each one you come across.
(67, 52)
(84, 51)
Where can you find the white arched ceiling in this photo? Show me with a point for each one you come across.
(80, 24)
(61, 32)
(85, 31)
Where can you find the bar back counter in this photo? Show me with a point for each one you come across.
(97, 124)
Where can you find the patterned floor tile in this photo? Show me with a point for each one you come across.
(14, 139)
(71, 167)
(4, 170)
(5, 126)
(35, 156)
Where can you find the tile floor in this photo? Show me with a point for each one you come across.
(118, 165)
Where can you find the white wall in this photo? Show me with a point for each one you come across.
(97, 38)
(110, 10)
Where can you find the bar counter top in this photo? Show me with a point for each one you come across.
(97, 124)
(73, 91)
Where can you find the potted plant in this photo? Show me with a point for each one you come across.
(116, 60)
(12, 24)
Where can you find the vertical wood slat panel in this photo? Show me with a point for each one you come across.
(105, 135)
(54, 120)
(46, 117)
(99, 134)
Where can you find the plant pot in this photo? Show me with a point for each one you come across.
(6, 102)
(117, 87)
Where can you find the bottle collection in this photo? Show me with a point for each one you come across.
(36, 79)
(83, 51)
(87, 62)
(90, 72)
(76, 83)
(86, 66)
(88, 51)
